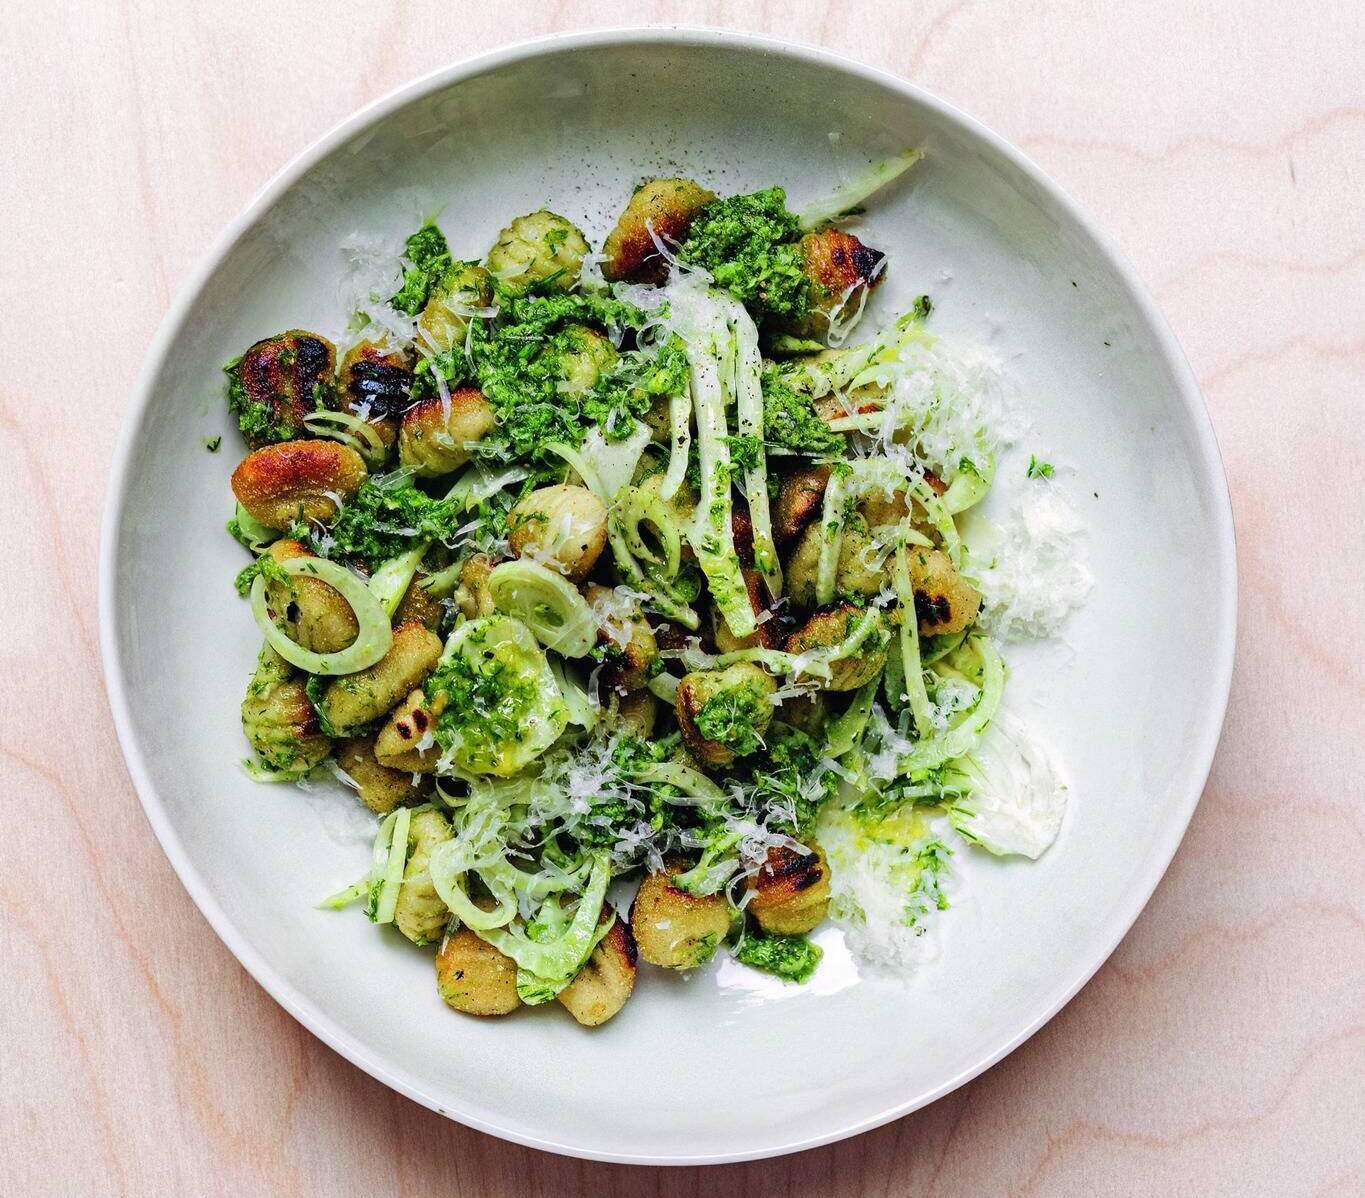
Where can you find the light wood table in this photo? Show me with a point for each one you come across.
(1221, 1050)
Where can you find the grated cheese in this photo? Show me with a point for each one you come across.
(1030, 569)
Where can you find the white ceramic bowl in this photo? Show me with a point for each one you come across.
(704, 1068)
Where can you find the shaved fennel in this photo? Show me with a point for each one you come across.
(858, 189)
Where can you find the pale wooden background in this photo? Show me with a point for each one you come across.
(1221, 1051)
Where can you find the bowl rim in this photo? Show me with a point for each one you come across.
(275, 984)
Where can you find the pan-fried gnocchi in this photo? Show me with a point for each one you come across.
(634, 568)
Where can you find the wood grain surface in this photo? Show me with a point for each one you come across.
(1220, 1051)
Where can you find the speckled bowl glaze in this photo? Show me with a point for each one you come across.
(724, 1064)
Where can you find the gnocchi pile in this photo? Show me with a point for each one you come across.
(599, 571)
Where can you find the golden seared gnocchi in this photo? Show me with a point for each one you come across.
(562, 526)
(631, 599)
(278, 382)
(879, 508)
(405, 741)
(674, 929)
(790, 891)
(418, 606)
(831, 626)
(474, 977)
(381, 789)
(435, 435)
(842, 271)
(637, 713)
(376, 384)
(600, 989)
(798, 502)
(309, 610)
(862, 569)
(944, 601)
(463, 291)
(629, 649)
(420, 914)
(585, 355)
(723, 714)
(279, 721)
(659, 210)
(472, 595)
(541, 250)
(355, 700)
(297, 481)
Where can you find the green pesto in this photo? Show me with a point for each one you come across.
(486, 701)
(548, 382)
(429, 255)
(781, 783)
(934, 860)
(750, 245)
(366, 528)
(745, 451)
(791, 421)
(702, 951)
(730, 718)
(606, 821)
(266, 566)
(315, 688)
(793, 958)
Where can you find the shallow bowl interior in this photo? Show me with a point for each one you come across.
(716, 1065)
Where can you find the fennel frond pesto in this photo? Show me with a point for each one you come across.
(589, 570)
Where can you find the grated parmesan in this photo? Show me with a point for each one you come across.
(1030, 568)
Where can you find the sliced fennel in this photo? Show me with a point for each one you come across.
(582, 710)
(913, 670)
(1015, 800)
(386, 871)
(843, 734)
(583, 468)
(505, 645)
(614, 462)
(552, 963)
(250, 531)
(748, 392)
(478, 483)
(856, 366)
(858, 190)
(680, 442)
(348, 429)
(831, 532)
(961, 738)
(635, 575)
(547, 603)
(690, 781)
(375, 633)
(390, 582)
(637, 508)
(346, 896)
(712, 533)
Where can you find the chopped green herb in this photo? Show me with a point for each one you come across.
(382, 520)
(267, 567)
(750, 244)
(791, 421)
(793, 958)
(430, 256)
